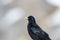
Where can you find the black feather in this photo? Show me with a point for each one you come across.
(35, 32)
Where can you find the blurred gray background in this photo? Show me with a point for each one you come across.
(40, 9)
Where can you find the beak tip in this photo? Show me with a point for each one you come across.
(26, 18)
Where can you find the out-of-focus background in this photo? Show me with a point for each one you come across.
(14, 25)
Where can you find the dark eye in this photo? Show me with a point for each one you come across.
(32, 18)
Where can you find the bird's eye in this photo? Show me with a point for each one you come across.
(32, 18)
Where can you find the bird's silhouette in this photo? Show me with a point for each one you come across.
(35, 32)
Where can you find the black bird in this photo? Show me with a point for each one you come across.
(35, 32)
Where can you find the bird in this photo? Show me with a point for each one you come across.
(34, 30)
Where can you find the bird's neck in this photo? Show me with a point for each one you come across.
(32, 22)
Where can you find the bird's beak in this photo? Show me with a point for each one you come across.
(26, 18)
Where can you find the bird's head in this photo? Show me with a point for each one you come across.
(30, 19)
